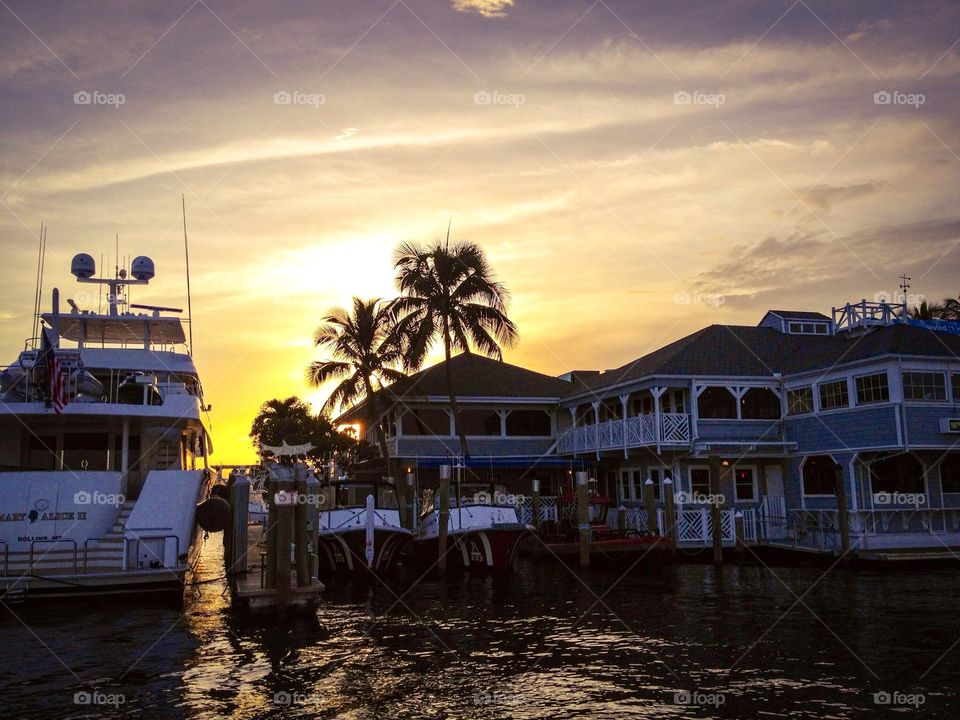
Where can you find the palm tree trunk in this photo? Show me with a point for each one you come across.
(377, 425)
(453, 397)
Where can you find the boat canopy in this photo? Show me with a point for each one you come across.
(87, 327)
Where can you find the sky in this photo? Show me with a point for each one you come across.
(634, 170)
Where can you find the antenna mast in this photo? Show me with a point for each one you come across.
(904, 285)
(186, 252)
(43, 261)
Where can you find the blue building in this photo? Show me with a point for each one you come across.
(786, 413)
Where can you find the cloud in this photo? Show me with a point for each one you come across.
(823, 197)
(487, 8)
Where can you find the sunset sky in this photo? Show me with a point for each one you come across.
(635, 170)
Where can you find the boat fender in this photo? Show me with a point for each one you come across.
(213, 514)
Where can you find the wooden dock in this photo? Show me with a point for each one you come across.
(249, 590)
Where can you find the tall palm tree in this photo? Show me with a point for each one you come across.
(927, 311)
(951, 308)
(365, 351)
(448, 294)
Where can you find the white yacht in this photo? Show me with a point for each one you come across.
(103, 450)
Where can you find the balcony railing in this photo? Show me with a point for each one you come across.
(636, 431)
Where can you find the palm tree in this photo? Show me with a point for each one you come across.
(951, 308)
(448, 294)
(365, 352)
(927, 311)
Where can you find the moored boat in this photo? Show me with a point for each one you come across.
(98, 492)
(360, 529)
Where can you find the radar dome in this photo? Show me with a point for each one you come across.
(142, 268)
(83, 266)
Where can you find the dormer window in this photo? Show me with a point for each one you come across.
(808, 328)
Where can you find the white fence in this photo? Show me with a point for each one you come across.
(673, 429)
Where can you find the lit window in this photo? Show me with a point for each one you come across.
(744, 487)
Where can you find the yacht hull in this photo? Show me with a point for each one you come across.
(344, 552)
(474, 549)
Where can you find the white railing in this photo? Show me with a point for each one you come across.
(821, 528)
(640, 430)
(773, 517)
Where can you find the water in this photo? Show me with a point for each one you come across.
(543, 643)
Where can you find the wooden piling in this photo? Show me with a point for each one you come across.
(236, 558)
(443, 519)
(650, 505)
(583, 518)
(301, 524)
(669, 513)
(535, 510)
(270, 574)
(843, 517)
(716, 508)
(622, 519)
(739, 532)
(284, 538)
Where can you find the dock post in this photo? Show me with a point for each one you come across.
(284, 533)
(313, 522)
(535, 509)
(843, 518)
(738, 532)
(715, 509)
(301, 525)
(240, 506)
(622, 519)
(411, 501)
(583, 519)
(443, 521)
(270, 579)
(650, 505)
(669, 513)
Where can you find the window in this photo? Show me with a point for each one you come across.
(924, 386)
(833, 395)
(808, 328)
(896, 474)
(955, 386)
(41, 453)
(800, 401)
(744, 485)
(819, 475)
(655, 476)
(426, 421)
(699, 481)
(529, 423)
(950, 474)
(479, 422)
(716, 403)
(760, 404)
(643, 404)
(872, 388)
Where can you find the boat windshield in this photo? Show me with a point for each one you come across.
(473, 493)
(353, 495)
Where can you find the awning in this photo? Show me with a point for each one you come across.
(125, 328)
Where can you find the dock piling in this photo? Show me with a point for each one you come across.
(284, 538)
(650, 505)
(443, 519)
(715, 509)
(583, 518)
(302, 526)
(535, 487)
(669, 513)
(843, 518)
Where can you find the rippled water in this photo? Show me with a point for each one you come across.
(741, 642)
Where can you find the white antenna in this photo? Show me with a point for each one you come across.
(186, 252)
(43, 260)
(36, 287)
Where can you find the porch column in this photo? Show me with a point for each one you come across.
(657, 392)
(596, 426)
(694, 411)
(624, 402)
(843, 519)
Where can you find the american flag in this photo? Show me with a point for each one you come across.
(54, 375)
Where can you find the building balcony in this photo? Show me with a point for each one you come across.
(636, 431)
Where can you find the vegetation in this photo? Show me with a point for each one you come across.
(291, 421)
(448, 295)
(366, 353)
(949, 309)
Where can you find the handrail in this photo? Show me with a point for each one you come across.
(58, 540)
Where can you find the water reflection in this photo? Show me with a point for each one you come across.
(694, 641)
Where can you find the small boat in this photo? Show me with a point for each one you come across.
(139, 388)
(621, 549)
(483, 530)
(359, 529)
